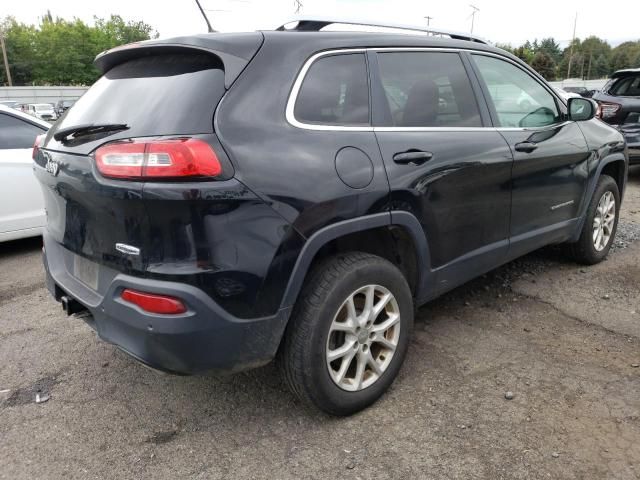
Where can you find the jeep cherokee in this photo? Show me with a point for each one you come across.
(217, 201)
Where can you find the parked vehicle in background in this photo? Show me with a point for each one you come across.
(619, 103)
(565, 94)
(297, 194)
(43, 111)
(21, 204)
(582, 91)
(10, 104)
(63, 105)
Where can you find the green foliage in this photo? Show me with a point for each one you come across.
(61, 52)
(589, 58)
(544, 65)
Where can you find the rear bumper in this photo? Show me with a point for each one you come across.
(204, 338)
(631, 135)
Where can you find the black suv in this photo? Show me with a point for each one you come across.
(220, 200)
(619, 103)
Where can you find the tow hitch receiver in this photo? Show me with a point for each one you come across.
(71, 306)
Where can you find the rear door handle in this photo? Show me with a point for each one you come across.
(414, 157)
(526, 147)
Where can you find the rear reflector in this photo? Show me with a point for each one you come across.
(153, 303)
(174, 158)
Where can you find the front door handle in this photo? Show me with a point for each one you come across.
(414, 157)
(526, 147)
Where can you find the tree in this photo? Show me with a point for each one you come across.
(601, 68)
(525, 54)
(505, 46)
(61, 52)
(625, 55)
(551, 48)
(544, 65)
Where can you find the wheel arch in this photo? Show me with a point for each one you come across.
(402, 228)
(615, 166)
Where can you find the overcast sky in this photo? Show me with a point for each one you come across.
(498, 21)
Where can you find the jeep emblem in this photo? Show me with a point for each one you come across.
(51, 166)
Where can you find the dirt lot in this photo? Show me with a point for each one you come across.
(563, 338)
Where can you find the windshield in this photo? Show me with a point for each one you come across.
(43, 108)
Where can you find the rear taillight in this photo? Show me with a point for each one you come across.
(607, 110)
(154, 303)
(36, 145)
(174, 158)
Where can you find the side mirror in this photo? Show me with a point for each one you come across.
(581, 109)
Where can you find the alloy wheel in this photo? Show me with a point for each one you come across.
(603, 221)
(363, 338)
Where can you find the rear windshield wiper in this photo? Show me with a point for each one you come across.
(88, 129)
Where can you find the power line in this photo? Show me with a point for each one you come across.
(298, 5)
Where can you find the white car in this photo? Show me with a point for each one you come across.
(21, 204)
(43, 111)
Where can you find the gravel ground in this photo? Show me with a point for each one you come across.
(559, 340)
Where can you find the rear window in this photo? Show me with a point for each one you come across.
(627, 87)
(154, 95)
(335, 91)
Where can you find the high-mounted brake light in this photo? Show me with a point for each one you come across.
(36, 145)
(607, 109)
(173, 158)
(153, 303)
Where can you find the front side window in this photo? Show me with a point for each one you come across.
(335, 91)
(427, 89)
(16, 133)
(519, 100)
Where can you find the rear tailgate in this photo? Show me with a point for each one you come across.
(158, 90)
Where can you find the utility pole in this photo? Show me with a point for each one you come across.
(473, 16)
(6, 60)
(575, 22)
(298, 5)
(428, 19)
(589, 69)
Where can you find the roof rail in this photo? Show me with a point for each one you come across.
(315, 24)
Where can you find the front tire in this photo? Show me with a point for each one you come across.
(349, 333)
(599, 229)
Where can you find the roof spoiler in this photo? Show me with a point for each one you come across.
(626, 72)
(234, 55)
(315, 24)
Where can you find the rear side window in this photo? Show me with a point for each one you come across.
(154, 95)
(428, 89)
(627, 87)
(16, 133)
(335, 91)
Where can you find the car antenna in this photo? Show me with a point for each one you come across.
(209, 27)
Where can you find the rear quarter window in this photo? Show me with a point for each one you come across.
(335, 91)
(155, 95)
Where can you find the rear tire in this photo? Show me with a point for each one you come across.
(599, 229)
(348, 334)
